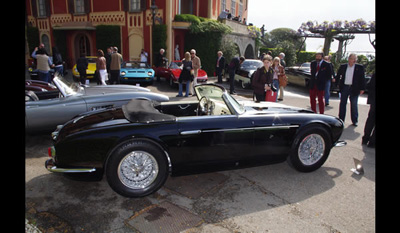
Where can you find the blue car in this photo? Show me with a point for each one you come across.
(133, 72)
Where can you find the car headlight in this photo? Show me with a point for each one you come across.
(149, 73)
(123, 73)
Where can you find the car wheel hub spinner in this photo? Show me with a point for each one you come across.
(311, 149)
(138, 170)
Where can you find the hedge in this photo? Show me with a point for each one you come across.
(108, 35)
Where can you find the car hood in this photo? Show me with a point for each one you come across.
(96, 90)
(262, 108)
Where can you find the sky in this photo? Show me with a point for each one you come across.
(292, 13)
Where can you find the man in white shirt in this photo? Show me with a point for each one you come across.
(351, 78)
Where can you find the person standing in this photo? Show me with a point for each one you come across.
(44, 63)
(282, 61)
(320, 72)
(220, 66)
(82, 65)
(262, 79)
(329, 81)
(115, 66)
(160, 60)
(143, 56)
(101, 65)
(279, 71)
(233, 66)
(196, 63)
(107, 56)
(58, 62)
(185, 75)
(351, 78)
(369, 129)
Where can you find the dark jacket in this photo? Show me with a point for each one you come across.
(221, 63)
(185, 74)
(324, 74)
(358, 83)
(262, 77)
(234, 64)
(82, 65)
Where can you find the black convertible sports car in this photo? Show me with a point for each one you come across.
(139, 145)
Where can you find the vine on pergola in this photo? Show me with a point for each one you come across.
(330, 30)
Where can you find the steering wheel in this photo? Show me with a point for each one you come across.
(205, 106)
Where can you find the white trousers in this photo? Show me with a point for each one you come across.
(103, 75)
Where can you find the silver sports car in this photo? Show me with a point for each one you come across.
(44, 115)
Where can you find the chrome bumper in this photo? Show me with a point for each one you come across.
(49, 164)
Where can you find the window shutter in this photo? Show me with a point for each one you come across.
(48, 13)
(87, 6)
(71, 6)
(126, 5)
(143, 5)
(34, 8)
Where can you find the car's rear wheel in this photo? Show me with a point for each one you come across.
(310, 149)
(136, 168)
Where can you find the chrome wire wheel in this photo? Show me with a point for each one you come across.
(138, 170)
(311, 149)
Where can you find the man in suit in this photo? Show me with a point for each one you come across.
(320, 72)
(220, 66)
(351, 78)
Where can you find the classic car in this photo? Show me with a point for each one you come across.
(43, 90)
(300, 76)
(136, 72)
(138, 145)
(244, 75)
(89, 71)
(172, 72)
(73, 99)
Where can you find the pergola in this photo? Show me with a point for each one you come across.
(339, 30)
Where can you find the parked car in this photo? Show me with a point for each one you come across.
(172, 72)
(136, 72)
(43, 115)
(300, 75)
(43, 90)
(244, 75)
(89, 71)
(141, 143)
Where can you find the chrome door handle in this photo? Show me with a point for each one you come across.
(190, 132)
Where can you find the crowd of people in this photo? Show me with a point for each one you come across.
(268, 81)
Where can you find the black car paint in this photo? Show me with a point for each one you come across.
(192, 143)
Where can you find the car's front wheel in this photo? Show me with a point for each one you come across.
(310, 149)
(136, 168)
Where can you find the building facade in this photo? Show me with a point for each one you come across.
(79, 18)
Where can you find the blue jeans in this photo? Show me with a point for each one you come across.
(45, 77)
(344, 95)
(275, 82)
(187, 88)
(327, 91)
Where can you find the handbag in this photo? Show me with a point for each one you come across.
(270, 96)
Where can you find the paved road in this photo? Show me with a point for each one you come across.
(273, 198)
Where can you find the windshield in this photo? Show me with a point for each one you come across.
(66, 88)
(219, 95)
(174, 65)
(252, 64)
(134, 65)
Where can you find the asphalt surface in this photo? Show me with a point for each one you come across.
(273, 198)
